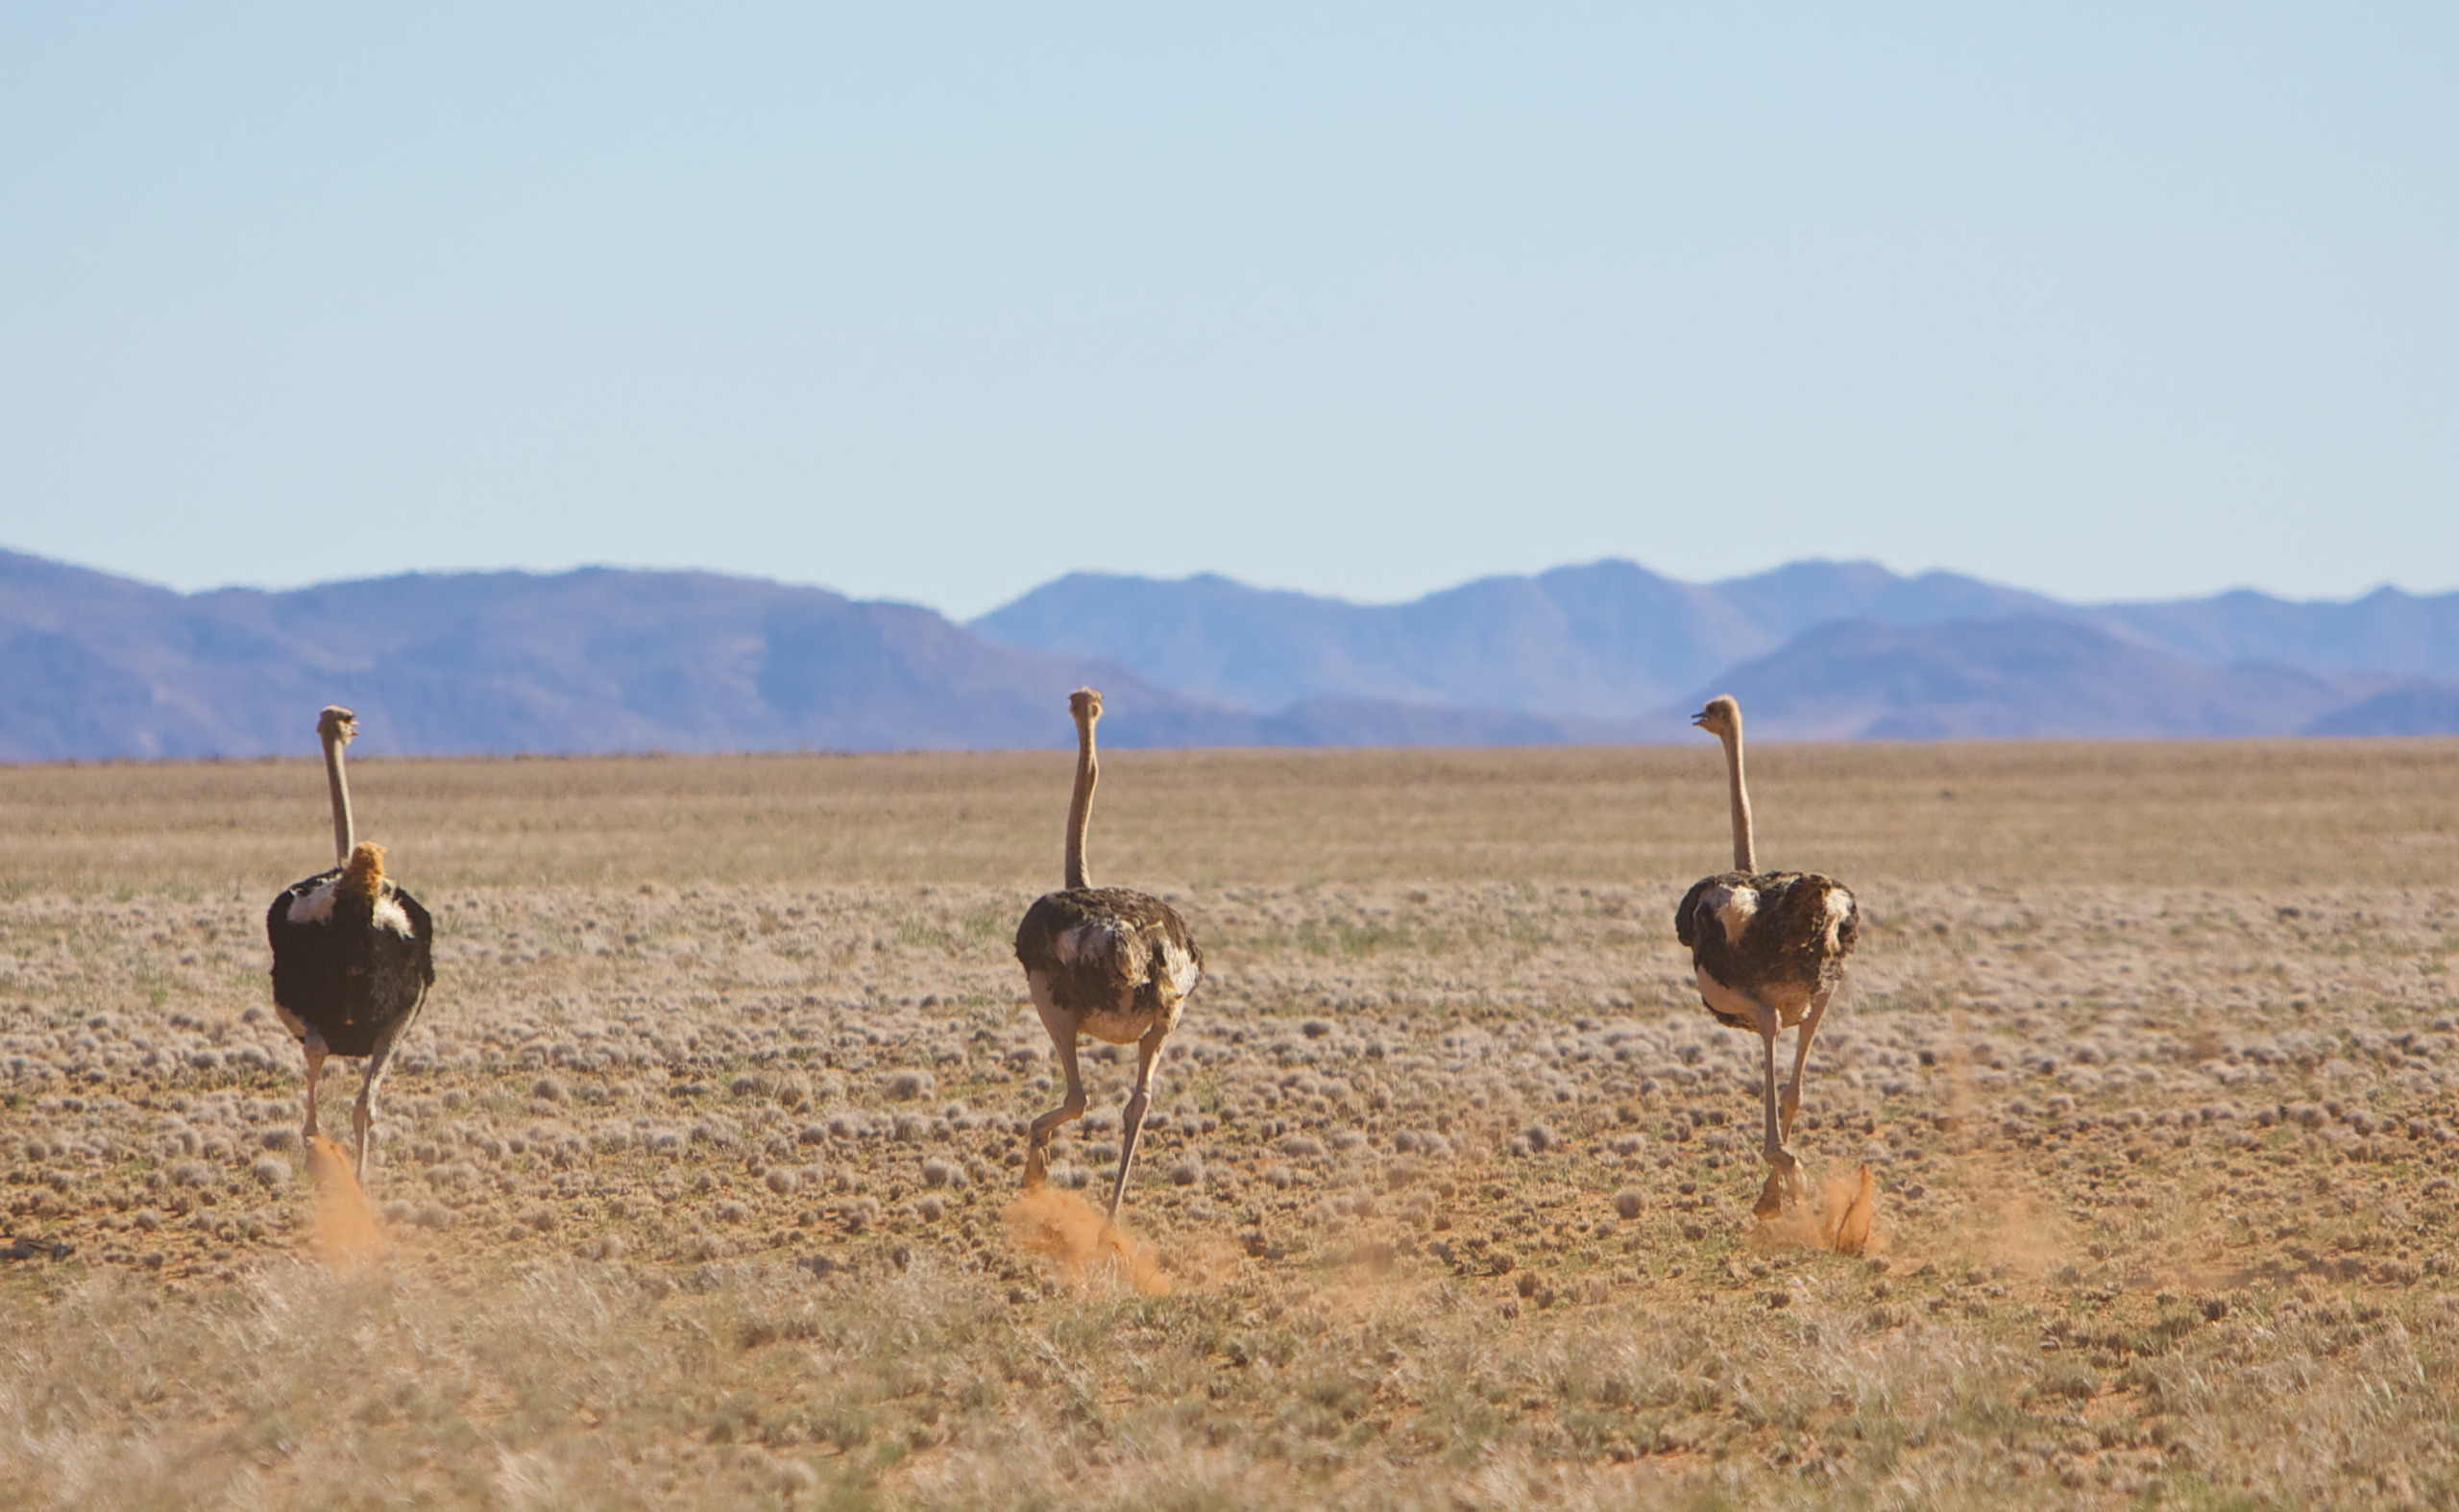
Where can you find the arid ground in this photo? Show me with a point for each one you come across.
(697, 1179)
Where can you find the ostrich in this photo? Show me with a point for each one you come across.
(1110, 963)
(353, 952)
(1769, 950)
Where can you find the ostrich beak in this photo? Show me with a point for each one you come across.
(1700, 720)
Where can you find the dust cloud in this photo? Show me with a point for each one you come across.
(2030, 1238)
(1842, 1217)
(1067, 1229)
(342, 1228)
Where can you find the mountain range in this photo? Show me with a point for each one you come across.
(1816, 650)
(93, 666)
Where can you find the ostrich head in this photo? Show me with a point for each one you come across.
(1086, 703)
(337, 723)
(1721, 718)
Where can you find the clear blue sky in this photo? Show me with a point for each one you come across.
(935, 301)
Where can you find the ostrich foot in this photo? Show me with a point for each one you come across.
(1771, 1197)
(1784, 1188)
(1036, 1173)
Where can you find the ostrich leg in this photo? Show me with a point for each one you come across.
(314, 1044)
(1793, 1103)
(1063, 1039)
(362, 1114)
(1783, 1181)
(1147, 1051)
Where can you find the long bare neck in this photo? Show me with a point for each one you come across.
(1743, 860)
(1079, 812)
(340, 785)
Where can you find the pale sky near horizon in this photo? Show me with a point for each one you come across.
(936, 302)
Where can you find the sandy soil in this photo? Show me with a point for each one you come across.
(698, 1180)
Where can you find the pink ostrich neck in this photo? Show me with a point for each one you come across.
(1079, 812)
(339, 785)
(1742, 859)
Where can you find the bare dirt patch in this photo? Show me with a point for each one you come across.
(693, 1174)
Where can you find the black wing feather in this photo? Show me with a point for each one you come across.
(1137, 923)
(1782, 952)
(351, 979)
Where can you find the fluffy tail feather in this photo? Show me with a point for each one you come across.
(364, 875)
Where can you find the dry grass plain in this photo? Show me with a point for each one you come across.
(693, 1174)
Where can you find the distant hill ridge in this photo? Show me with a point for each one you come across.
(599, 660)
(93, 666)
(1605, 639)
(1801, 645)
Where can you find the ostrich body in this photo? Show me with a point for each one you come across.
(1110, 963)
(1768, 949)
(352, 953)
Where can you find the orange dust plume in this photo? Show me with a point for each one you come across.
(1840, 1218)
(2030, 1238)
(341, 1225)
(1853, 1206)
(1067, 1229)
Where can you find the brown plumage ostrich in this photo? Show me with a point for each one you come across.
(352, 953)
(1110, 963)
(1768, 949)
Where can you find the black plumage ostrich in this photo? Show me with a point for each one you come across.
(1768, 949)
(352, 953)
(1110, 963)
